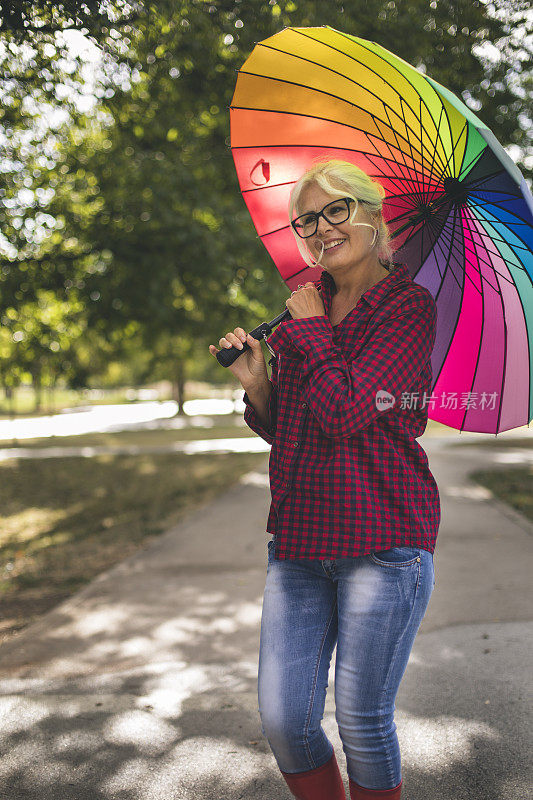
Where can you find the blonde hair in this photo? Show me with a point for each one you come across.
(343, 179)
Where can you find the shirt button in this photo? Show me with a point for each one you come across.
(304, 405)
(295, 444)
(418, 559)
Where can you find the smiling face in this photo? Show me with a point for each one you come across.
(345, 245)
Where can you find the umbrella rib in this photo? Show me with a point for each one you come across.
(312, 116)
(448, 267)
(449, 240)
(481, 259)
(453, 245)
(429, 87)
(330, 69)
(443, 168)
(453, 241)
(392, 178)
(507, 197)
(437, 231)
(368, 155)
(392, 162)
(358, 61)
(496, 221)
(473, 161)
(477, 182)
(318, 91)
(402, 166)
(470, 223)
(480, 201)
(497, 238)
(452, 154)
(420, 136)
(276, 230)
(270, 186)
(487, 262)
(432, 154)
(415, 181)
(379, 174)
(482, 295)
(298, 272)
(446, 169)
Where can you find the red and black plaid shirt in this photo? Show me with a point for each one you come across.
(347, 476)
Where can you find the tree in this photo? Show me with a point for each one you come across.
(19, 18)
(146, 225)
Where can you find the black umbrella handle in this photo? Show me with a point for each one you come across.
(228, 355)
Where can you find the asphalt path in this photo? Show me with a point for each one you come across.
(142, 686)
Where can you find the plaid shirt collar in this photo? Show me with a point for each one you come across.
(280, 341)
(399, 276)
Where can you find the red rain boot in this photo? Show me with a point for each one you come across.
(359, 793)
(322, 783)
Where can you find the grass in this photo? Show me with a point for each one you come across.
(67, 520)
(513, 485)
(498, 442)
(23, 403)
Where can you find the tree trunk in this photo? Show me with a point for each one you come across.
(178, 385)
(10, 400)
(50, 393)
(37, 387)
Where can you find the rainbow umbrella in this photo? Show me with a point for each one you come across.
(458, 208)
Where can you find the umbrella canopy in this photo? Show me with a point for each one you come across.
(458, 208)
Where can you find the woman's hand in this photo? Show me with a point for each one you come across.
(250, 368)
(306, 302)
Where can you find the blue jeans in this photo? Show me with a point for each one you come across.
(371, 607)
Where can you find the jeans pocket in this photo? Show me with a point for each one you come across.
(396, 557)
(270, 550)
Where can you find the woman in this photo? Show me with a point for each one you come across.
(355, 509)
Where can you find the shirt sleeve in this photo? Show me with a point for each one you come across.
(251, 418)
(341, 394)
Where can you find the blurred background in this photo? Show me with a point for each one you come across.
(126, 248)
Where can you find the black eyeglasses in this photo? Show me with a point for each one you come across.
(335, 212)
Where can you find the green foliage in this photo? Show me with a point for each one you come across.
(18, 18)
(131, 211)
